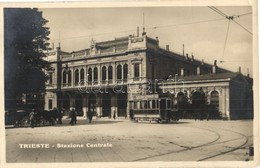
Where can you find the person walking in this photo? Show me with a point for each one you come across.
(31, 118)
(90, 116)
(60, 115)
(114, 115)
(73, 117)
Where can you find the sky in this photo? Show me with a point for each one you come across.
(204, 32)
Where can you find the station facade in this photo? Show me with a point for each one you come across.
(107, 76)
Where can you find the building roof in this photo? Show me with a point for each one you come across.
(119, 45)
(217, 76)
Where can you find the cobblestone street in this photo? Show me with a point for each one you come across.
(120, 140)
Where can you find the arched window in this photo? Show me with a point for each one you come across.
(69, 77)
(104, 73)
(125, 73)
(82, 75)
(180, 97)
(95, 74)
(119, 72)
(110, 72)
(90, 75)
(64, 77)
(214, 98)
(50, 78)
(76, 77)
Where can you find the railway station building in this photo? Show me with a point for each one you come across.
(107, 76)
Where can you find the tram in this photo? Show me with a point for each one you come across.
(159, 108)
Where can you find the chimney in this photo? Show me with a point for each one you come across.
(157, 39)
(167, 47)
(192, 57)
(202, 62)
(198, 70)
(138, 31)
(239, 69)
(183, 49)
(187, 56)
(182, 72)
(214, 68)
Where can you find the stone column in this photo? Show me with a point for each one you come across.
(72, 77)
(85, 108)
(114, 107)
(72, 101)
(99, 105)
(227, 103)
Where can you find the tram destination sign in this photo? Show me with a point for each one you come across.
(144, 97)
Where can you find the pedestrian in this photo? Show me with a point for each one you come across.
(60, 115)
(73, 117)
(90, 115)
(114, 115)
(31, 118)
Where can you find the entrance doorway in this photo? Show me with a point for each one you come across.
(106, 105)
(121, 104)
(66, 103)
(92, 103)
(79, 104)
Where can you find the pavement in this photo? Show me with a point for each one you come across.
(121, 140)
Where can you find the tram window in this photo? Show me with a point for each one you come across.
(163, 104)
(131, 105)
(135, 105)
(149, 104)
(153, 104)
(168, 103)
(138, 105)
(145, 104)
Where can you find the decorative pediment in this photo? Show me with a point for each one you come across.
(136, 60)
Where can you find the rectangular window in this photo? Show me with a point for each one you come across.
(50, 104)
(136, 71)
(153, 104)
(168, 104)
(51, 76)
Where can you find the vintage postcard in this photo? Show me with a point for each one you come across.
(130, 84)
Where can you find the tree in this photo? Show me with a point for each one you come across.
(25, 39)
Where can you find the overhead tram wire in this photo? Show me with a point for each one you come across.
(216, 10)
(100, 34)
(225, 42)
(183, 24)
(231, 17)
(155, 27)
(242, 27)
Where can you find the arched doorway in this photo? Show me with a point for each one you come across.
(79, 104)
(214, 99)
(121, 104)
(92, 103)
(66, 103)
(106, 105)
(198, 105)
(198, 99)
(213, 108)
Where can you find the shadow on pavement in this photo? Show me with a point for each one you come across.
(66, 123)
(163, 123)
